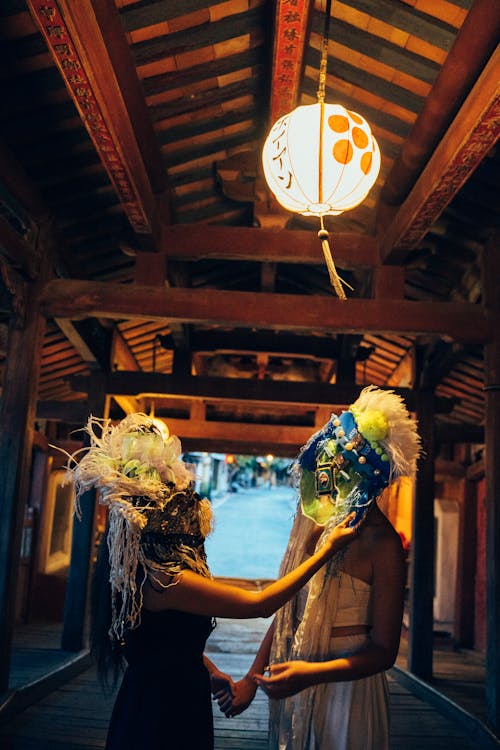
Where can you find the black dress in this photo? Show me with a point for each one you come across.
(164, 702)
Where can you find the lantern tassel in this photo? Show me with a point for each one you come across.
(335, 280)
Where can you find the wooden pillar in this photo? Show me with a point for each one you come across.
(77, 588)
(17, 414)
(466, 568)
(420, 643)
(491, 265)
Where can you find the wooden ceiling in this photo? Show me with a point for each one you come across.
(131, 135)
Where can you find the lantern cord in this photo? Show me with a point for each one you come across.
(323, 235)
(324, 53)
(335, 280)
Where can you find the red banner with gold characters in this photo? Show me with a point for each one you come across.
(291, 24)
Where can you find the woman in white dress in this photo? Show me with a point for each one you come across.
(330, 646)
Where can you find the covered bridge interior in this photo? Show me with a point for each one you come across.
(146, 265)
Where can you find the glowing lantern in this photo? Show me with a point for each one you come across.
(320, 159)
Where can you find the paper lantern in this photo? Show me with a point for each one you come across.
(321, 159)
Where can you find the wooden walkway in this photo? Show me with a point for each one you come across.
(75, 716)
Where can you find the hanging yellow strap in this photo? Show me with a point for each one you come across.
(335, 280)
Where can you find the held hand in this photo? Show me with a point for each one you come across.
(244, 693)
(286, 679)
(222, 687)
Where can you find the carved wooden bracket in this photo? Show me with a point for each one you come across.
(83, 87)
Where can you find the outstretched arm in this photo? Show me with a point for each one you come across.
(245, 689)
(203, 596)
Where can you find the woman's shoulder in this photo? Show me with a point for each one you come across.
(381, 536)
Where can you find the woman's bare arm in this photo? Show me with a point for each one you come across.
(203, 596)
(381, 651)
(245, 689)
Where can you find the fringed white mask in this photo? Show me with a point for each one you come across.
(157, 523)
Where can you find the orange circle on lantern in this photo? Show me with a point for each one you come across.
(342, 152)
(338, 123)
(366, 162)
(356, 117)
(359, 137)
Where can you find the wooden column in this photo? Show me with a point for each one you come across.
(422, 547)
(491, 269)
(77, 588)
(17, 414)
(466, 568)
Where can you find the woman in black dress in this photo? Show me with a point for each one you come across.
(153, 598)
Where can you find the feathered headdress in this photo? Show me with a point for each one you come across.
(157, 523)
(345, 465)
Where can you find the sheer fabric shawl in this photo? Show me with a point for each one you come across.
(307, 638)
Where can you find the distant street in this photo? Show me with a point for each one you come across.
(251, 531)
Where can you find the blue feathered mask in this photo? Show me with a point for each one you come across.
(345, 466)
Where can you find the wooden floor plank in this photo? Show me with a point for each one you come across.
(75, 716)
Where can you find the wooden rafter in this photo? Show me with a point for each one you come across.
(472, 47)
(216, 389)
(122, 358)
(89, 47)
(76, 340)
(472, 134)
(69, 298)
(273, 344)
(19, 252)
(198, 242)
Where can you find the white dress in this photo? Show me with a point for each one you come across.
(339, 715)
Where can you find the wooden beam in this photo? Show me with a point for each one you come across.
(122, 358)
(76, 340)
(128, 404)
(222, 389)
(82, 547)
(404, 372)
(201, 433)
(420, 637)
(250, 342)
(70, 412)
(474, 43)
(206, 242)
(472, 134)
(19, 252)
(466, 567)
(17, 412)
(88, 45)
(80, 299)
(153, 384)
(491, 269)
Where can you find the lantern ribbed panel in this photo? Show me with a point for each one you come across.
(350, 160)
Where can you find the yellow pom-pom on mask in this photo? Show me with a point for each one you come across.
(372, 424)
